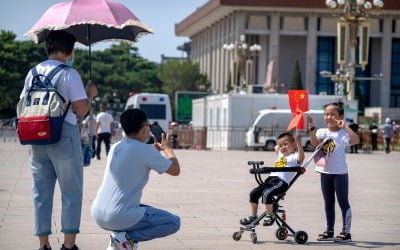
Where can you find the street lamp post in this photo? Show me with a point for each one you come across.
(353, 23)
(241, 58)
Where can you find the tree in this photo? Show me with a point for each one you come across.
(16, 59)
(296, 82)
(181, 76)
(120, 70)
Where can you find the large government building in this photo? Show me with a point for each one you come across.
(223, 31)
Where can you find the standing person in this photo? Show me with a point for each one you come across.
(354, 127)
(374, 136)
(387, 134)
(334, 172)
(90, 124)
(117, 206)
(277, 182)
(61, 161)
(103, 130)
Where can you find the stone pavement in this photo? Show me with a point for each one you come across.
(211, 195)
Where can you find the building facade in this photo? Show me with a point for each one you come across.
(290, 31)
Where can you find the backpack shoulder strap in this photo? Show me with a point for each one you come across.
(54, 71)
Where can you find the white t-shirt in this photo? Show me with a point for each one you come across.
(285, 161)
(116, 206)
(105, 120)
(70, 87)
(335, 163)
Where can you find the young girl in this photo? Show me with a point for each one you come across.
(334, 173)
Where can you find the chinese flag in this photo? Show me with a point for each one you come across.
(298, 101)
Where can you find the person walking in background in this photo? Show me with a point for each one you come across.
(90, 124)
(103, 130)
(395, 139)
(354, 127)
(62, 161)
(334, 171)
(387, 134)
(374, 136)
(117, 206)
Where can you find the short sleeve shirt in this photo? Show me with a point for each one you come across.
(285, 161)
(70, 86)
(336, 160)
(105, 120)
(129, 162)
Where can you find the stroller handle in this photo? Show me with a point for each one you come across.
(254, 163)
(267, 170)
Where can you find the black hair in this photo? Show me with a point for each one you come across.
(132, 120)
(288, 135)
(338, 105)
(59, 41)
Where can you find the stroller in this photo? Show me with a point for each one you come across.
(283, 230)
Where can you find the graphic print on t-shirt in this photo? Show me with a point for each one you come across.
(281, 162)
(327, 148)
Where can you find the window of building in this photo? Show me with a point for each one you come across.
(325, 61)
(395, 77)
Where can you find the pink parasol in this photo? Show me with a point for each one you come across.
(90, 21)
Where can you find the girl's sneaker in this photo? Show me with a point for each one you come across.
(325, 236)
(343, 237)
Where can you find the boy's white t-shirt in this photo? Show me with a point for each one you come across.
(285, 161)
(70, 87)
(335, 162)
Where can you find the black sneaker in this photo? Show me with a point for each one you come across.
(73, 248)
(45, 248)
(325, 236)
(343, 237)
(269, 220)
(248, 220)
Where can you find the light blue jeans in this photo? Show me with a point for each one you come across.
(62, 162)
(156, 223)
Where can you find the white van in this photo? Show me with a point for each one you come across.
(270, 123)
(157, 107)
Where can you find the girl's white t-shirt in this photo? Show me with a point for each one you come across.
(336, 159)
(70, 87)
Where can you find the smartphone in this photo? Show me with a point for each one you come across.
(157, 130)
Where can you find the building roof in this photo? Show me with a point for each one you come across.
(213, 10)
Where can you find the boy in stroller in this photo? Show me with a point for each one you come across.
(277, 182)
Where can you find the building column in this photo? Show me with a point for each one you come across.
(311, 55)
(262, 61)
(386, 62)
(273, 48)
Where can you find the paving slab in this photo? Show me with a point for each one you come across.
(210, 196)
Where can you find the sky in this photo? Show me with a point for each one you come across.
(19, 16)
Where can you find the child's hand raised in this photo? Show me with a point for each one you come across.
(340, 123)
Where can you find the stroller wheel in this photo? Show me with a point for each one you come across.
(301, 237)
(237, 235)
(281, 233)
(253, 237)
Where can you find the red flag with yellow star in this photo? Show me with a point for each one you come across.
(298, 102)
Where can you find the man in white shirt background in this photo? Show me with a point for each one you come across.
(103, 130)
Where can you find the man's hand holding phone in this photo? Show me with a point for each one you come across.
(161, 139)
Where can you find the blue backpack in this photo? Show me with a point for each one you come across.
(41, 112)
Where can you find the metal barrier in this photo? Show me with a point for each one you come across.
(8, 134)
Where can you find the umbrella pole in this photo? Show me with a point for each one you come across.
(90, 51)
